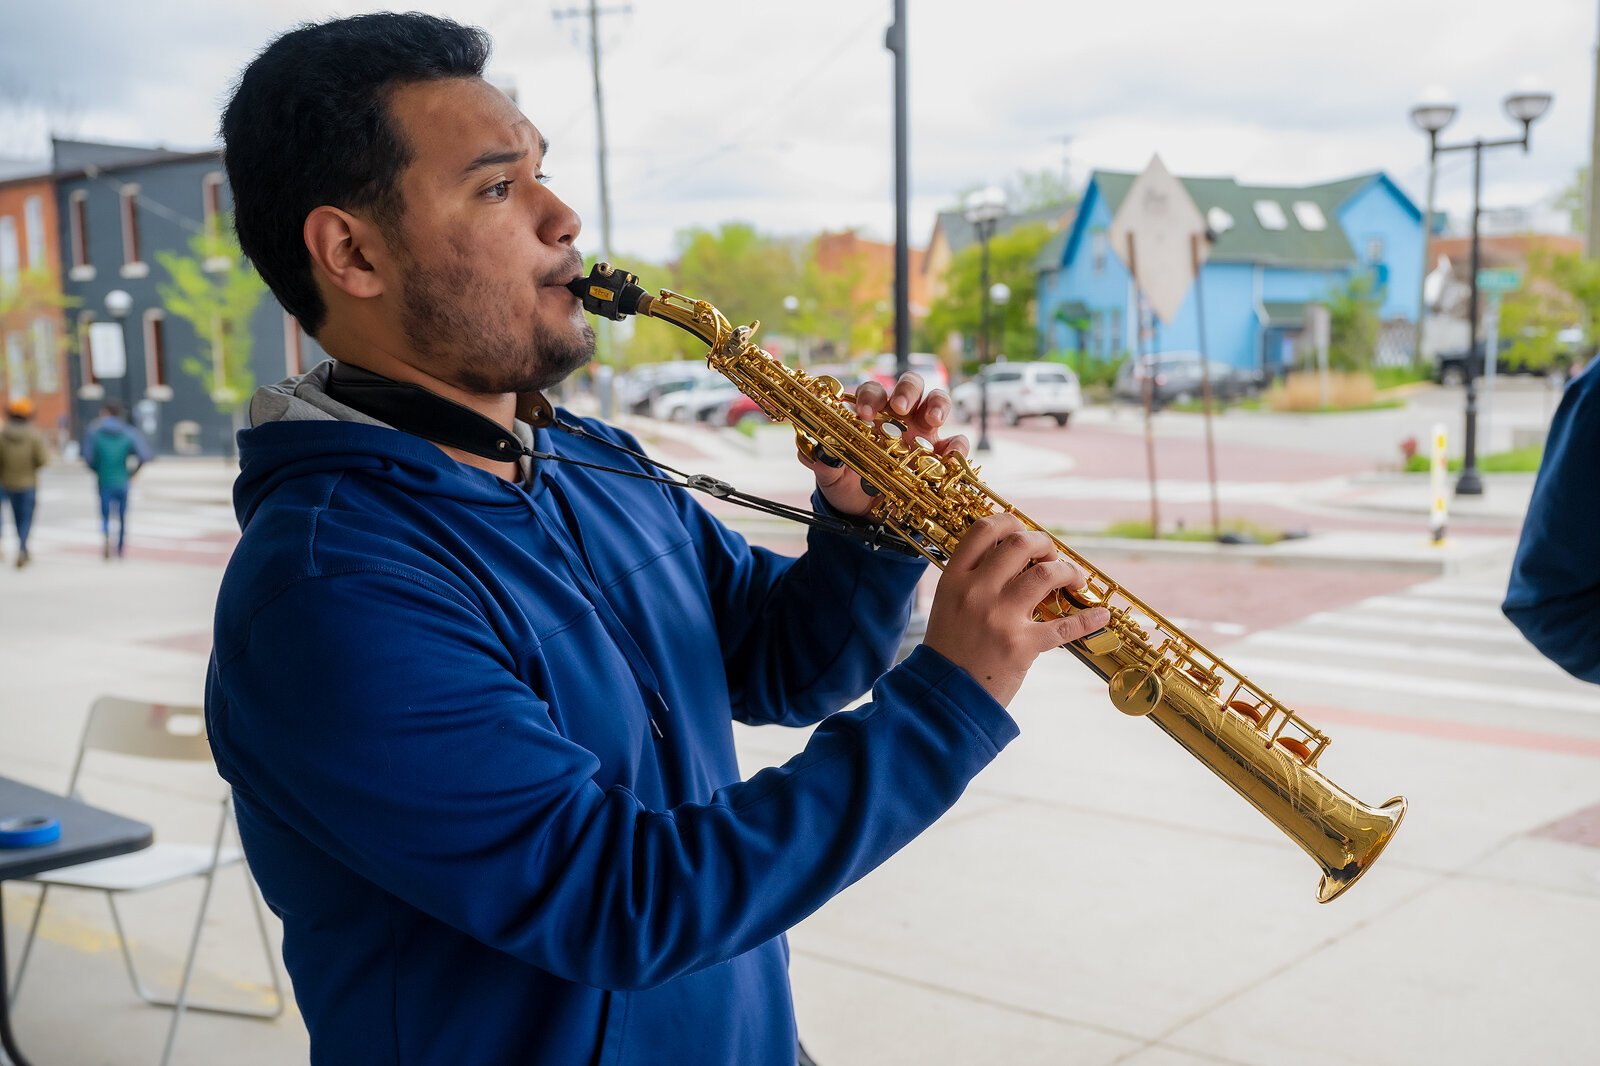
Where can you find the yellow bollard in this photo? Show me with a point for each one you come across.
(1439, 512)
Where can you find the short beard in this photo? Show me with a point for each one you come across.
(486, 357)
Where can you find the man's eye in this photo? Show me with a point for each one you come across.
(542, 179)
(499, 190)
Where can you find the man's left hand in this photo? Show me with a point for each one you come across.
(923, 415)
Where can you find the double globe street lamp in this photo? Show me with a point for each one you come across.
(1526, 105)
(984, 209)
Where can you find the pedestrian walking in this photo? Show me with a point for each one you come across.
(115, 451)
(22, 453)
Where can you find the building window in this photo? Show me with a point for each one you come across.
(132, 264)
(46, 368)
(16, 366)
(86, 347)
(294, 358)
(1115, 320)
(33, 229)
(10, 254)
(1374, 249)
(211, 200)
(1095, 337)
(155, 355)
(1309, 215)
(78, 220)
(1270, 214)
(1097, 243)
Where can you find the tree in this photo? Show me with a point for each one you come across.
(33, 296)
(1558, 292)
(846, 306)
(1353, 324)
(1573, 201)
(1030, 190)
(960, 309)
(216, 291)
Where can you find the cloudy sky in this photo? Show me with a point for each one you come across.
(781, 114)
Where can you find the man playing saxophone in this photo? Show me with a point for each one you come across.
(476, 711)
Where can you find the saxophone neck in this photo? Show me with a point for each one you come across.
(614, 293)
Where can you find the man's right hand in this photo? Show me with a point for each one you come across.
(982, 613)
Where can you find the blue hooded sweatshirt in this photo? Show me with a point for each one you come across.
(1554, 597)
(479, 737)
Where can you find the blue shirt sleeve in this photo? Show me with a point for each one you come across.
(1554, 595)
(406, 747)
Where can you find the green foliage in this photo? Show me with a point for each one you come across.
(34, 295)
(1558, 291)
(1572, 200)
(1516, 461)
(215, 290)
(1139, 529)
(1392, 377)
(959, 310)
(1353, 324)
(842, 307)
(1029, 190)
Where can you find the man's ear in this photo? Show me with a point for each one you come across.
(346, 251)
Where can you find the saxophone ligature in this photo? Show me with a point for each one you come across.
(1264, 750)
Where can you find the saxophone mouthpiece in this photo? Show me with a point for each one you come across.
(610, 292)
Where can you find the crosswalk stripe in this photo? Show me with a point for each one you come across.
(1458, 609)
(1527, 660)
(1358, 618)
(1263, 668)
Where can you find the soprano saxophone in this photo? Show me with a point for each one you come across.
(1267, 752)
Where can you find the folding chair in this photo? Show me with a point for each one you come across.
(155, 731)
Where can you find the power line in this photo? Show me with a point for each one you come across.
(593, 14)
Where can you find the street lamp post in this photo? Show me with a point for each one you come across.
(1526, 105)
(118, 305)
(985, 208)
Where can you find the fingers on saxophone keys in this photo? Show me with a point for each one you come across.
(1036, 583)
(957, 443)
(870, 399)
(907, 393)
(822, 456)
(981, 538)
(1076, 626)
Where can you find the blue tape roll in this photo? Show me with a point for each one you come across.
(28, 832)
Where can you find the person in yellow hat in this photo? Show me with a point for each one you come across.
(22, 453)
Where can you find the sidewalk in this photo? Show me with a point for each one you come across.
(1096, 897)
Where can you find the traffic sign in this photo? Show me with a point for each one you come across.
(1501, 279)
(1153, 232)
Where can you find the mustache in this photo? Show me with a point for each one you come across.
(571, 266)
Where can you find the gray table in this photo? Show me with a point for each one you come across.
(87, 833)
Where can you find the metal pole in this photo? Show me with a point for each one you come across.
(895, 41)
(1205, 382)
(984, 229)
(1144, 347)
(1470, 484)
(600, 128)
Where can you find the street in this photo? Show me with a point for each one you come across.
(1095, 897)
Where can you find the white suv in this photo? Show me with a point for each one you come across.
(1022, 390)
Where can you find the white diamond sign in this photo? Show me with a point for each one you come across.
(1154, 233)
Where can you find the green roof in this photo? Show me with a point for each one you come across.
(1248, 240)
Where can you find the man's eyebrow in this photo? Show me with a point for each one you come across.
(496, 156)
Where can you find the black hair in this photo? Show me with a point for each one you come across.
(309, 125)
(112, 408)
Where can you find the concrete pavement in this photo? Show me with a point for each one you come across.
(1095, 898)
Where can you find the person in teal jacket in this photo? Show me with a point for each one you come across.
(477, 713)
(114, 450)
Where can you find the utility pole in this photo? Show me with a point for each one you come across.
(593, 13)
(1591, 213)
(895, 41)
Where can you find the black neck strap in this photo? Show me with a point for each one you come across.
(413, 409)
(432, 417)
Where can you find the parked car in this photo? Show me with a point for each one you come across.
(743, 407)
(1453, 368)
(1177, 379)
(1021, 390)
(700, 401)
(639, 388)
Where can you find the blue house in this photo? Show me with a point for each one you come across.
(1288, 246)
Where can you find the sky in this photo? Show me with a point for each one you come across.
(781, 115)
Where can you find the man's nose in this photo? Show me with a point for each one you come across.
(558, 223)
